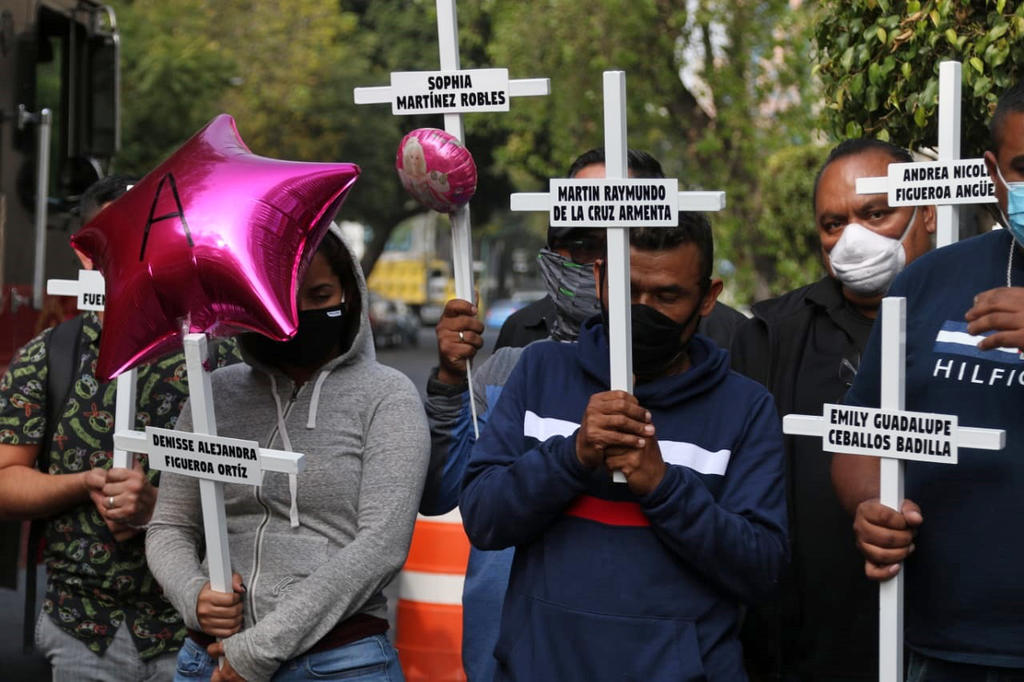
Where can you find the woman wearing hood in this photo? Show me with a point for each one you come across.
(313, 552)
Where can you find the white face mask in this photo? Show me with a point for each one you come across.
(867, 262)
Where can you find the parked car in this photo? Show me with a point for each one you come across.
(393, 323)
(499, 310)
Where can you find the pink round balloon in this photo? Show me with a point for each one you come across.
(215, 239)
(436, 169)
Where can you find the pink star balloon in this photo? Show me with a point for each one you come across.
(216, 239)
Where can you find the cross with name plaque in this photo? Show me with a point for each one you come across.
(945, 182)
(90, 291)
(617, 202)
(894, 435)
(214, 460)
(453, 91)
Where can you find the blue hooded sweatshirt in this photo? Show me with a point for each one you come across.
(608, 585)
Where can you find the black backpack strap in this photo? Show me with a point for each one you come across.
(62, 349)
(62, 357)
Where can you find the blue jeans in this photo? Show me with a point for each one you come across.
(371, 659)
(921, 668)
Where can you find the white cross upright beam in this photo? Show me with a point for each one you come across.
(945, 183)
(124, 416)
(869, 440)
(462, 242)
(608, 216)
(211, 493)
(620, 325)
(947, 217)
(891, 483)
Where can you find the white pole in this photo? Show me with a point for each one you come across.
(462, 239)
(620, 344)
(950, 79)
(462, 245)
(42, 192)
(124, 414)
(890, 615)
(211, 493)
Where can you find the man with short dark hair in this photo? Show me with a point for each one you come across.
(643, 580)
(540, 319)
(567, 267)
(964, 603)
(805, 346)
(103, 615)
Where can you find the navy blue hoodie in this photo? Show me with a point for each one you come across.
(607, 585)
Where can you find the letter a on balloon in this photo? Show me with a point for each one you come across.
(178, 212)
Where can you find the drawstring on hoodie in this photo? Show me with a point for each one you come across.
(293, 479)
(315, 400)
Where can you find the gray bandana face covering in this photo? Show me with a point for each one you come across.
(571, 287)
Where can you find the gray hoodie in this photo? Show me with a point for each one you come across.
(362, 429)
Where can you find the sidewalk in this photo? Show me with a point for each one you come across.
(14, 665)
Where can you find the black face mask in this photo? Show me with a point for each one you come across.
(657, 338)
(319, 333)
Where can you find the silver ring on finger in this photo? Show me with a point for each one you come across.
(110, 502)
(462, 337)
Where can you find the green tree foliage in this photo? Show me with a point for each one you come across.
(878, 62)
(286, 72)
(786, 224)
(402, 36)
(173, 73)
(748, 65)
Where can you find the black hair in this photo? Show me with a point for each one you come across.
(693, 228)
(340, 260)
(1010, 102)
(101, 192)
(859, 145)
(641, 164)
(337, 256)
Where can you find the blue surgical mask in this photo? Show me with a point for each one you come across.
(1014, 215)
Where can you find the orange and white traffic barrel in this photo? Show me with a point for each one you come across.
(429, 619)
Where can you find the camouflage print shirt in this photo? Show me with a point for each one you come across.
(95, 584)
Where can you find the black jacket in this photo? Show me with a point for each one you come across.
(804, 346)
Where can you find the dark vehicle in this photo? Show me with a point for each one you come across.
(394, 324)
(59, 129)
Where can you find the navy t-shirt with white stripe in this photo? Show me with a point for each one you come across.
(964, 590)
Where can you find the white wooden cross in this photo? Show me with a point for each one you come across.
(945, 182)
(617, 203)
(453, 91)
(214, 460)
(894, 435)
(90, 291)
